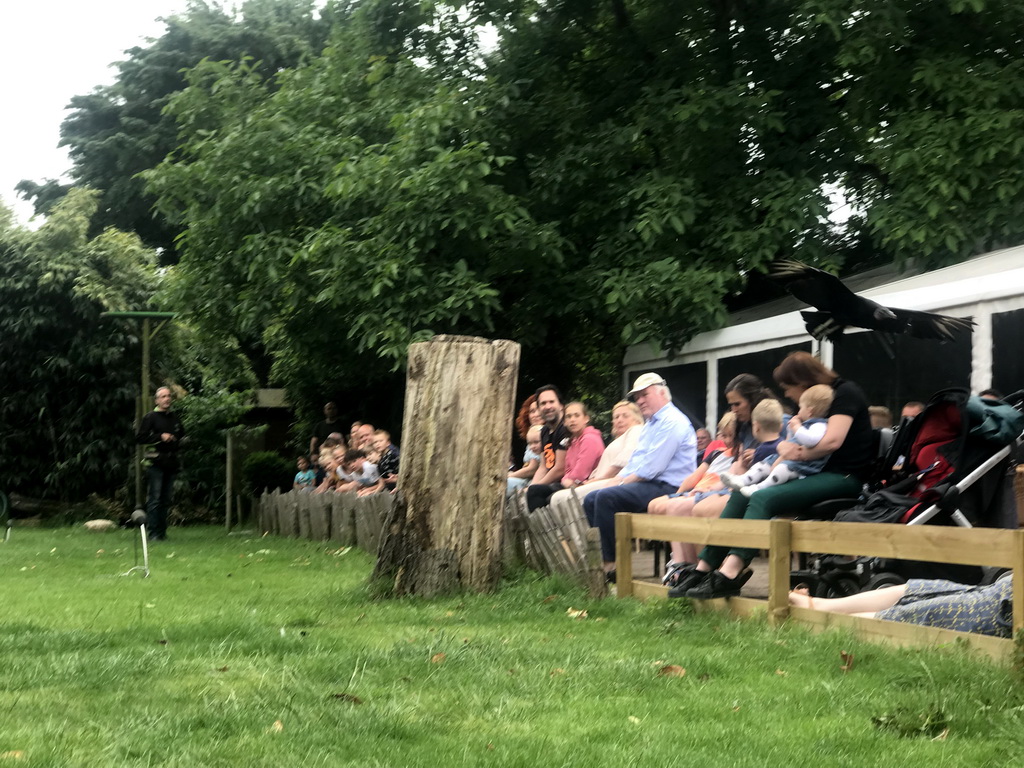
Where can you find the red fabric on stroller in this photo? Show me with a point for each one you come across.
(942, 427)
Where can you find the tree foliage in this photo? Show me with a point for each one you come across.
(355, 207)
(118, 130)
(606, 173)
(618, 161)
(70, 376)
(936, 104)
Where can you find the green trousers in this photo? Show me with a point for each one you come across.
(781, 500)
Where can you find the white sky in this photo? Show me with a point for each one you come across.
(51, 50)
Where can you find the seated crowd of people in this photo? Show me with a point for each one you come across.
(762, 463)
(765, 462)
(364, 463)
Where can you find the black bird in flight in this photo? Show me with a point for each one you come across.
(839, 307)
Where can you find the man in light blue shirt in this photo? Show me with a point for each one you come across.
(665, 455)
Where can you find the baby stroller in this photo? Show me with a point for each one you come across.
(948, 466)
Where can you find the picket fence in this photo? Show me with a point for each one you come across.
(344, 518)
(554, 539)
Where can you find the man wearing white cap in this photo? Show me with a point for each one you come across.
(665, 455)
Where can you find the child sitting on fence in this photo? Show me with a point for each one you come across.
(805, 429)
(520, 478)
(355, 471)
(305, 478)
(388, 464)
(327, 449)
(330, 465)
(319, 473)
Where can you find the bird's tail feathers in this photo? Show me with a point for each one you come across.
(950, 326)
(821, 325)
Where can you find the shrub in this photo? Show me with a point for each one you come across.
(266, 470)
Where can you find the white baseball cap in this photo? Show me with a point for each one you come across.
(643, 382)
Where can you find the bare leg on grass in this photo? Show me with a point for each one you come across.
(862, 604)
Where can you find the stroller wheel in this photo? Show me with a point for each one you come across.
(837, 585)
(884, 579)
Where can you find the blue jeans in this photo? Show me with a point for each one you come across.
(158, 500)
(601, 506)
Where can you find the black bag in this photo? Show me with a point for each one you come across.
(881, 507)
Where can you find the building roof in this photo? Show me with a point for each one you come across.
(995, 278)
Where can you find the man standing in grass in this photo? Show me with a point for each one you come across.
(161, 432)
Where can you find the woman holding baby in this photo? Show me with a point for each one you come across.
(846, 442)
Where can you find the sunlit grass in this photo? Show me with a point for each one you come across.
(268, 652)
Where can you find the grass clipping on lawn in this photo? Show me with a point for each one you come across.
(269, 652)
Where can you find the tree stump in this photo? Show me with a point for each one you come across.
(444, 530)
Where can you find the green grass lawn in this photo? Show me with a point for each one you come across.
(268, 652)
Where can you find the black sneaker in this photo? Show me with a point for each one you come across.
(717, 585)
(687, 581)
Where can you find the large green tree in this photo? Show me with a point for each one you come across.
(69, 376)
(933, 95)
(605, 174)
(351, 208)
(118, 130)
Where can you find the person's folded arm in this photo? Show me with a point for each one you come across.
(552, 475)
(529, 469)
(836, 430)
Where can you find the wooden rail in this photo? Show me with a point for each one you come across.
(965, 546)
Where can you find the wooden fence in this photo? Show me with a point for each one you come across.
(965, 546)
(556, 539)
(344, 518)
(553, 539)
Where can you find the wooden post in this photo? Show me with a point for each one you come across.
(515, 530)
(1018, 584)
(302, 512)
(623, 555)
(445, 529)
(346, 520)
(597, 586)
(289, 513)
(229, 486)
(780, 558)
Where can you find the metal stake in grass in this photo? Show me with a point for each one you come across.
(5, 515)
(139, 518)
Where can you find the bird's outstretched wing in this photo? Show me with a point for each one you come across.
(811, 285)
(839, 307)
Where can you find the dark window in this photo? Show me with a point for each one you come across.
(689, 383)
(760, 364)
(894, 370)
(1007, 363)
